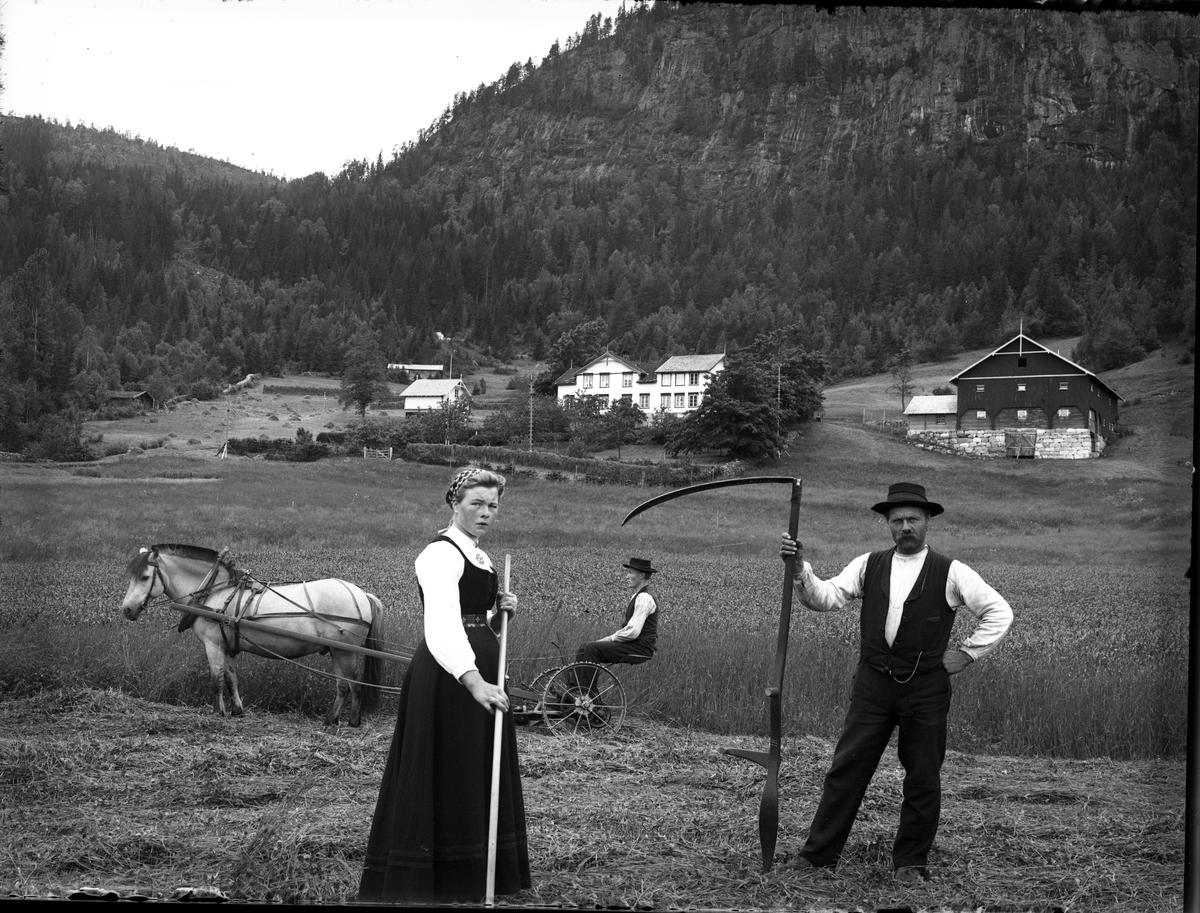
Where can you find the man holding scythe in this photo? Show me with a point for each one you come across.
(910, 596)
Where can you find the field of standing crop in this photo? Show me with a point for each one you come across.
(1065, 785)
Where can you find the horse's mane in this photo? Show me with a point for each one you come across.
(138, 563)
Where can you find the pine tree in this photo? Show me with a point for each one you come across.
(364, 379)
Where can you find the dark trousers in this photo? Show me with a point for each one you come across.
(613, 651)
(630, 652)
(878, 705)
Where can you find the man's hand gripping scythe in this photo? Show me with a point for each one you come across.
(768, 810)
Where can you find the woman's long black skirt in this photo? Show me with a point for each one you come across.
(429, 834)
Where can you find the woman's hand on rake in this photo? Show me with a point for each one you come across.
(488, 696)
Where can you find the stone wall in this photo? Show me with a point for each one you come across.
(1052, 443)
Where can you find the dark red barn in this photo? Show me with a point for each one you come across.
(1024, 386)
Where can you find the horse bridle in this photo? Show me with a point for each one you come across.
(209, 579)
(142, 606)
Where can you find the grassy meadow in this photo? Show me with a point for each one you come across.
(1064, 782)
(1090, 554)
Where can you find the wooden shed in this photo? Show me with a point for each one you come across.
(931, 413)
(1023, 386)
(140, 398)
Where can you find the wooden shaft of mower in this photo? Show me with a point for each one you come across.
(251, 625)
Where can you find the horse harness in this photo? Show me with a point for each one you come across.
(244, 584)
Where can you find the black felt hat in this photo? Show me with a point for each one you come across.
(907, 494)
(642, 565)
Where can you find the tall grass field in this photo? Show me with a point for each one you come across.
(1091, 555)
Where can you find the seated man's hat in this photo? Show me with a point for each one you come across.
(640, 564)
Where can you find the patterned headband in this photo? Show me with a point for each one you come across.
(459, 481)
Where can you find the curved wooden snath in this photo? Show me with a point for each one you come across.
(768, 810)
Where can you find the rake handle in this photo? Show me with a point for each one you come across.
(497, 744)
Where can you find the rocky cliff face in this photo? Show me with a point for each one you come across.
(793, 90)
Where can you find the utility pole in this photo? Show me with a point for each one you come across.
(531, 413)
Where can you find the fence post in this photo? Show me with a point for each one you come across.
(364, 453)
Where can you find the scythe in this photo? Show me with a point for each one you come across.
(768, 810)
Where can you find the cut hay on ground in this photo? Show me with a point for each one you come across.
(106, 791)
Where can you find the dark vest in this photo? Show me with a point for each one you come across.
(925, 624)
(649, 626)
(477, 588)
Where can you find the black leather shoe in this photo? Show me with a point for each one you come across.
(912, 874)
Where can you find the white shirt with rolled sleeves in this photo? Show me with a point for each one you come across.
(964, 587)
(439, 569)
(643, 607)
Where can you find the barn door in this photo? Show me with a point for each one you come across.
(1020, 443)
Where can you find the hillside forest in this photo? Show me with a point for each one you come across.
(673, 179)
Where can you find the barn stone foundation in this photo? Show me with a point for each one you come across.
(1051, 444)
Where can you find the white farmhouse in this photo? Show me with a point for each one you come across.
(607, 376)
(682, 380)
(431, 393)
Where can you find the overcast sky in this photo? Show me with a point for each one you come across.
(284, 86)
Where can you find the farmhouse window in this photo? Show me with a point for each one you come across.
(644, 400)
(1063, 413)
(694, 378)
(979, 388)
(693, 400)
(603, 381)
(666, 379)
(627, 379)
(1022, 415)
(1064, 385)
(666, 401)
(1020, 388)
(680, 378)
(587, 381)
(627, 397)
(678, 400)
(939, 419)
(980, 413)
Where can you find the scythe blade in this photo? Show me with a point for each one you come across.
(704, 486)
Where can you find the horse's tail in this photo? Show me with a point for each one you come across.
(372, 675)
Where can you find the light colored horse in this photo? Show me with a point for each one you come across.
(330, 609)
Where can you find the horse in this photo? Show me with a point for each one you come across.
(331, 609)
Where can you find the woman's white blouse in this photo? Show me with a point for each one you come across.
(439, 569)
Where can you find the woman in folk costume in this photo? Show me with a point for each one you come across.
(429, 834)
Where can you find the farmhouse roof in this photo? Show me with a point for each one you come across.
(932, 405)
(568, 377)
(407, 367)
(433, 386)
(691, 363)
(1024, 343)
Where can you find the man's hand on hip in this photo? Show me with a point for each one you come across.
(956, 660)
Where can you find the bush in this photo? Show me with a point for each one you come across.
(378, 434)
(278, 449)
(203, 390)
(57, 438)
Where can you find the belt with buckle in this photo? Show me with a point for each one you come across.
(475, 621)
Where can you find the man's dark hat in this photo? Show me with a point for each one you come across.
(642, 565)
(907, 494)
